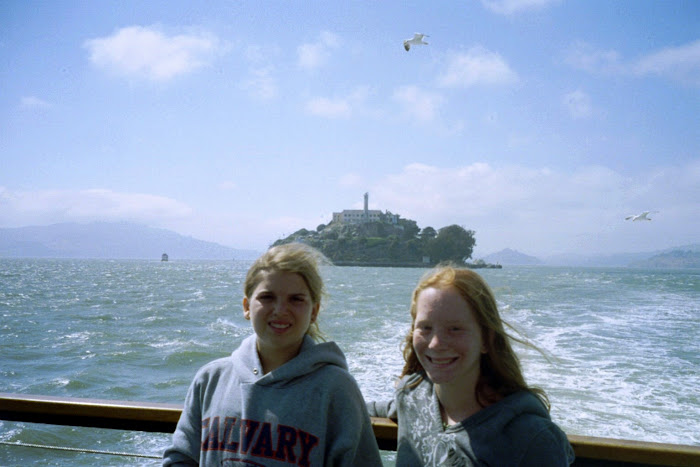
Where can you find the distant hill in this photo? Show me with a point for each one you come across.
(671, 259)
(581, 259)
(680, 257)
(109, 240)
(511, 257)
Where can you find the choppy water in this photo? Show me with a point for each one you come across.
(623, 344)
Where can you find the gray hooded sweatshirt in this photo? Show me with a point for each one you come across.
(308, 412)
(515, 431)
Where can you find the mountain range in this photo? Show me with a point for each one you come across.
(687, 256)
(109, 241)
(104, 240)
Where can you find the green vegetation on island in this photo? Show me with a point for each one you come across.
(388, 242)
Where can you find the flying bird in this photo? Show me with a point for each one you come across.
(417, 39)
(640, 217)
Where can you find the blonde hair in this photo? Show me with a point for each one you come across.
(500, 370)
(295, 258)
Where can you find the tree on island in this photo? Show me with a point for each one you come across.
(428, 232)
(452, 243)
(385, 242)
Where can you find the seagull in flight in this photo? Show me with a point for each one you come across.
(417, 39)
(640, 217)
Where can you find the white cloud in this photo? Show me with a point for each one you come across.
(52, 206)
(585, 57)
(258, 54)
(146, 52)
(316, 54)
(542, 211)
(227, 185)
(508, 7)
(329, 108)
(32, 103)
(338, 107)
(578, 104)
(680, 63)
(417, 104)
(478, 66)
(261, 83)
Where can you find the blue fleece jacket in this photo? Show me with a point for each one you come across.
(307, 412)
(516, 431)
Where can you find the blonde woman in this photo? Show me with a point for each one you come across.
(281, 398)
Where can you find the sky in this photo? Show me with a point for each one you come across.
(538, 124)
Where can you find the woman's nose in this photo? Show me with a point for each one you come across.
(436, 340)
(280, 306)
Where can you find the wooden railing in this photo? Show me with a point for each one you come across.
(162, 418)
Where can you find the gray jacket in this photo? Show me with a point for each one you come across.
(516, 431)
(309, 411)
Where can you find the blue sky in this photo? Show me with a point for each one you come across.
(538, 124)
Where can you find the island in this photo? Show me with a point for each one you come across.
(368, 237)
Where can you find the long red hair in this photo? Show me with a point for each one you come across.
(500, 370)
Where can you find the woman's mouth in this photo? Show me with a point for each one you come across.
(279, 325)
(442, 361)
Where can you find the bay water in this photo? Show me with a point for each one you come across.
(620, 347)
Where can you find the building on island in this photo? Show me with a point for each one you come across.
(363, 216)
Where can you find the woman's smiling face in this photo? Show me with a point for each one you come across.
(281, 311)
(447, 338)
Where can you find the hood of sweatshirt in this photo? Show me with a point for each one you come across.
(311, 356)
(515, 429)
(517, 423)
(499, 416)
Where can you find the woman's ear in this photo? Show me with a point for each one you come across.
(246, 308)
(314, 312)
